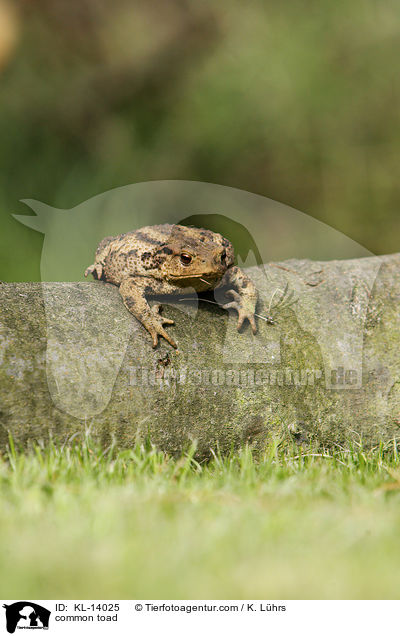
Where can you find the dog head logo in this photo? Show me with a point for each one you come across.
(86, 344)
(26, 615)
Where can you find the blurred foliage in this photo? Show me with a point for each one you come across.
(298, 102)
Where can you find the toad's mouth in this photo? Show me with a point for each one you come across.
(208, 279)
(201, 276)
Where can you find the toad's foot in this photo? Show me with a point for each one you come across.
(96, 270)
(156, 329)
(245, 309)
(133, 292)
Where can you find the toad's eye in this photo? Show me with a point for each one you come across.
(223, 257)
(186, 259)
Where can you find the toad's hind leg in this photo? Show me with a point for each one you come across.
(96, 270)
(132, 291)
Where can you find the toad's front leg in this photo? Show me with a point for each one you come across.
(133, 292)
(244, 297)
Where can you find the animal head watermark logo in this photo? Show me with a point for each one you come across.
(26, 615)
(86, 344)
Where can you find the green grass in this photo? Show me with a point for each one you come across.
(78, 522)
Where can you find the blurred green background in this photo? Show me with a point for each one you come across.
(297, 101)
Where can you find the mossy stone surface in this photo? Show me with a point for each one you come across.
(327, 371)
